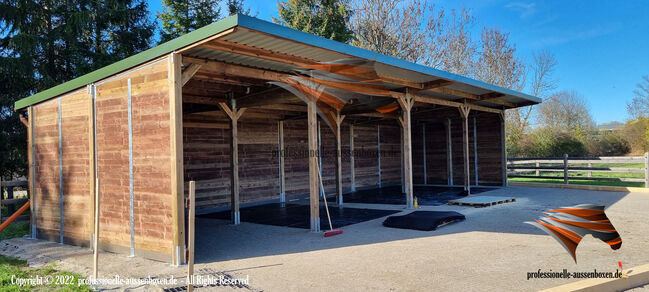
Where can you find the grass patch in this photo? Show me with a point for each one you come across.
(578, 182)
(15, 229)
(17, 268)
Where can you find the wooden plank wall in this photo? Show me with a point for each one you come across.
(488, 134)
(365, 155)
(207, 156)
(76, 165)
(151, 159)
(46, 139)
(390, 153)
(489, 149)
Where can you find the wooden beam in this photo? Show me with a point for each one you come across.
(435, 84)
(237, 70)
(268, 97)
(189, 72)
(264, 54)
(456, 93)
(312, 128)
(202, 100)
(177, 180)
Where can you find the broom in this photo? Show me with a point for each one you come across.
(331, 231)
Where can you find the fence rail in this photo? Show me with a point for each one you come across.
(7, 187)
(532, 167)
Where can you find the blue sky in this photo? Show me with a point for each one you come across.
(602, 47)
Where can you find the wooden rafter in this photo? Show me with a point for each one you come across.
(265, 54)
(189, 72)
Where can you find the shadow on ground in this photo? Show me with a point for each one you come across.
(217, 240)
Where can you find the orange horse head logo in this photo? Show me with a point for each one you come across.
(569, 225)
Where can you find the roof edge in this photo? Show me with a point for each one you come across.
(130, 62)
(314, 40)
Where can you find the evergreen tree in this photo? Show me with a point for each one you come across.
(182, 16)
(48, 42)
(326, 18)
(236, 6)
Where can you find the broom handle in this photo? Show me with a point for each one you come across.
(324, 196)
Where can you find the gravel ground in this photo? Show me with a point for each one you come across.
(490, 251)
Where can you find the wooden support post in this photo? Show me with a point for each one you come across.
(503, 149)
(95, 241)
(339, 169)
(590, 172)
(190, 234)
(312, 128)
(475, 150)
(352, 174)
(177, 180)
(449, 153)
(406, 102)
(423, 143)
(319, 139)
(31, 163)
(565, 169)
(538, 172)
(234, 114)
(280, 150)
(646, 169)
(464, 112)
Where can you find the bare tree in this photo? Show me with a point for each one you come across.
(498, 63)
(639, 106)
(390, 27)
(542, 83)
(566, 111)
(450, 45)
(416, 31)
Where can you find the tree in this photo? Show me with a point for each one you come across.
(391, 27)
(498, 63)
(326, 18)
(450, 45)
(236, 6)
(542, 84)
(639, 106)
(567, 111)
(182, 16)
(45, 43)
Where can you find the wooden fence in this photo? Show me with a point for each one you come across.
(532, 167)
(12, 203)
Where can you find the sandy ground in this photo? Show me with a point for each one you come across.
(491, 251)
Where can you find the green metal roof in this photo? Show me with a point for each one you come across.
(267, 28)
(135, 60)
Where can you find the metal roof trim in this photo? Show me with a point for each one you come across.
(130, 62)
(314, 40)
(264, 27)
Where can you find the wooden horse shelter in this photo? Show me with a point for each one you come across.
(248, 109)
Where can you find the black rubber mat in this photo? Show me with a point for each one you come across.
(297, 215)
(422, 220)
(426, 195)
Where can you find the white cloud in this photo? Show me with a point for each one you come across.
(524, 9)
